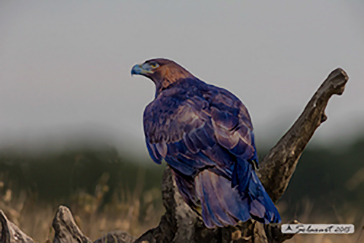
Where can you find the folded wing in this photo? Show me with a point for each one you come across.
(208, 141)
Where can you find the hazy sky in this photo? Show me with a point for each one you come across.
(65, 65)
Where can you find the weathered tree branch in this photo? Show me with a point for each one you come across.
(66, 231)
(181, 224)
(280, 163)
(65, 228)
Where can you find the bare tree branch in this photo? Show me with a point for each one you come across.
(280, 163)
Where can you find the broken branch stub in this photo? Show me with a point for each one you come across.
(65, 228)
(66, 231)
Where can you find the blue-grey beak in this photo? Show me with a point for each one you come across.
(136, 69)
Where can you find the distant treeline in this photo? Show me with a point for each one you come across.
(326, 180)
(330, 180)
(57, 176)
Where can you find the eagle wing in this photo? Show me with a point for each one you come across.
(211, 129)
(206, 136)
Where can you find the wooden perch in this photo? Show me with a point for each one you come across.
(181, 224)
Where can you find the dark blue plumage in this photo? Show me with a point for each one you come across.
(206, 136)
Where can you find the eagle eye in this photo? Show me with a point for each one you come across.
(153, 65)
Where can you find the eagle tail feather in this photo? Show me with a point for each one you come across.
(221, 204)
(261, 207)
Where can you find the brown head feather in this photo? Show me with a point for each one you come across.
(167, 73)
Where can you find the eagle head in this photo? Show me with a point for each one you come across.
(162, 72)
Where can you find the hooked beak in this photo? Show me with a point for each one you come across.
(141, 69)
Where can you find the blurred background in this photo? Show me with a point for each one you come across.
(71, 114)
